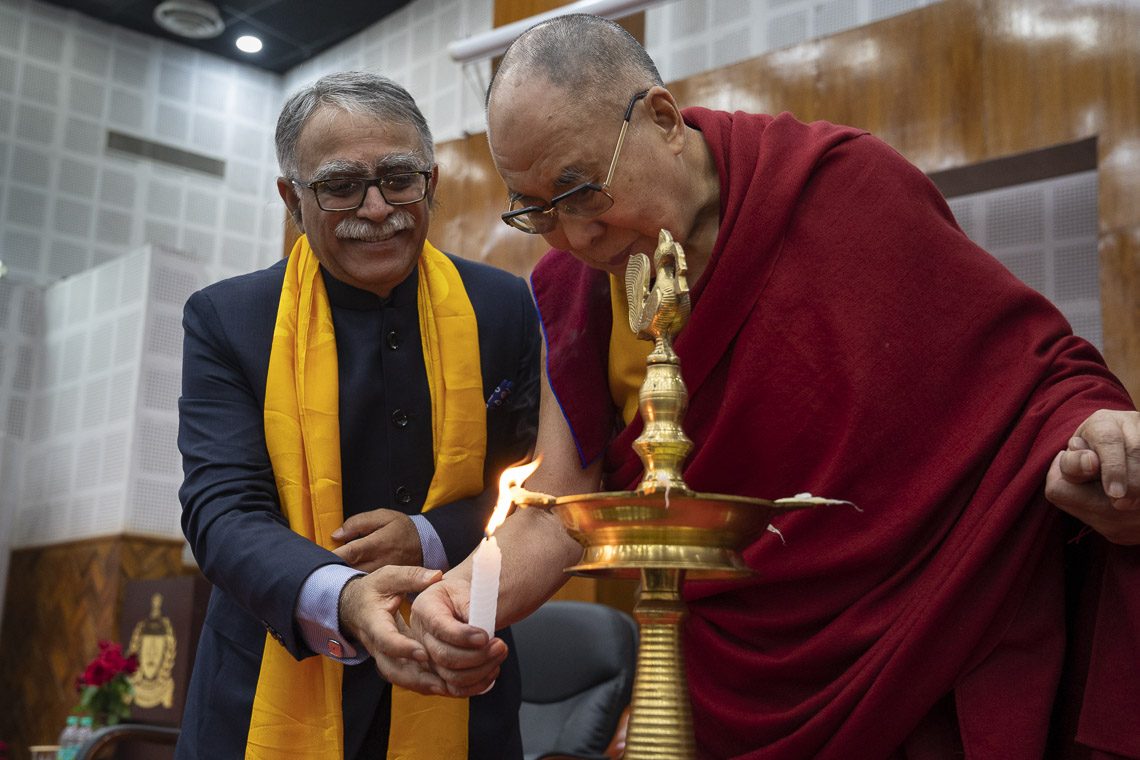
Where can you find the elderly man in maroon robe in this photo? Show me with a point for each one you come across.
(849, 340)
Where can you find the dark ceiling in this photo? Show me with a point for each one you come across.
(292, 30)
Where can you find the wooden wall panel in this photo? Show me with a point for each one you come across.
(1119, 134)
(868, 80)
(909, 80)
(1045, 60)
(510, 11)
(469, 199)
(61, 600)
(1120, 303)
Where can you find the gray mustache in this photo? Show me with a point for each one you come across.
(360, 229)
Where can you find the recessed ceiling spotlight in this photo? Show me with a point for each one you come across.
(194, 19)
(247, 43)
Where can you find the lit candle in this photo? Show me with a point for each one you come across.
(488, 560)
(485, 585)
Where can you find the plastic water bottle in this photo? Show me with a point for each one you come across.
(68, 746)
(84, 732)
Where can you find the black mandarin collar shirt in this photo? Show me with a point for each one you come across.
(385, 406)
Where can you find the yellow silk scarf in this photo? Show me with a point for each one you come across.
(628, 354)
(297, 706)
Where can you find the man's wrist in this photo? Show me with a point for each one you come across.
(432, 554)
(342, 623)
(318, 614)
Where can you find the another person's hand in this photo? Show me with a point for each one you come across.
(378, 538)
(462, 655)
(370, 613)
(1097, 478)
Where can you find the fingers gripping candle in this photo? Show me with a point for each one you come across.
(488, 560)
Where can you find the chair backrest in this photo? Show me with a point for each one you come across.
(577, 661)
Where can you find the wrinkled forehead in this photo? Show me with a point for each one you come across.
(333, 135)
(542, 140)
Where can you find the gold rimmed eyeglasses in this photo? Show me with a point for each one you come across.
(584, 201)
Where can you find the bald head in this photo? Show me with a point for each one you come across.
(596, 59)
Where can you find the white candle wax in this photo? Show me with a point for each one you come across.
(485, 585)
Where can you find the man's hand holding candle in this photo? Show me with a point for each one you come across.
(463, 656)
(370, 613)
(532, 542)
(535, 549)
(472, 666)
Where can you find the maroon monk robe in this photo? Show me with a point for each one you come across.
(849, 340)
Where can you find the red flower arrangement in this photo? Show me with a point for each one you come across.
(105, 690)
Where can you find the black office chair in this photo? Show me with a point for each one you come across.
(99, 744)
(577, 661)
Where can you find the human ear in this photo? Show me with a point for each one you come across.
(288, 192)
(432, 181)
(666, 114)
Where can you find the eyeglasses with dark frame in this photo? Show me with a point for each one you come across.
(584, 201)
(348, 193)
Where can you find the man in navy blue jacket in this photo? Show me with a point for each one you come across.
(358, 177)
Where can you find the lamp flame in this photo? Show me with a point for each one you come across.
(511, 479)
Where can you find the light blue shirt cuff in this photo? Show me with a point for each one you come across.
(435, 558)
(318, 614)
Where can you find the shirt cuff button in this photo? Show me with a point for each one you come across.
(335, 649)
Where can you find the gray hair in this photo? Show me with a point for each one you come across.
(352, 91)
(584, 54)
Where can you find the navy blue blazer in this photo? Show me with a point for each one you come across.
(232, 517)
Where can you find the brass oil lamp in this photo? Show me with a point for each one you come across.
(663, 531)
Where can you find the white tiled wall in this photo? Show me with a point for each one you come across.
(21, 342)
(101, 456)
(410, 47)
(21, 347)
(1045, 233)
(67, 203)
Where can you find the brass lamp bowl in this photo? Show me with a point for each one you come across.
(625, 532)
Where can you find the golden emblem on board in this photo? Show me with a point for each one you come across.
(153, 643)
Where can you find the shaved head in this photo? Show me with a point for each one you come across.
(596, 59)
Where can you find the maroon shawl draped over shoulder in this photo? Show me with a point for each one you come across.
(847, 339)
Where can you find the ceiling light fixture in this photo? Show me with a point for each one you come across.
(247, 43)
(193, 19)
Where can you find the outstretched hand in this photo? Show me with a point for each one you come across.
(370, 613)
(1097, 477)
(463, 656)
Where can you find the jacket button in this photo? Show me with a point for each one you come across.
(400, 418)
(393, 339)
(403, 495)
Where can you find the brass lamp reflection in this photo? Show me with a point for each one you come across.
(662, 531)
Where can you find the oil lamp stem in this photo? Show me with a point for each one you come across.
(661, 721)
